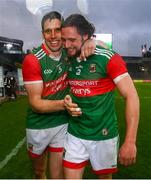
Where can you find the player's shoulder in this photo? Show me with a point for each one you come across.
(29, 57)
(35, 54)
(106, 53)
(39, 52)
(29, 60)
(35, 50)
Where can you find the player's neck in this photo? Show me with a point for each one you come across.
(55, 54)
(57, 58)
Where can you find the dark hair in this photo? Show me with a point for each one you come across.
(81, 23)
(51, 15)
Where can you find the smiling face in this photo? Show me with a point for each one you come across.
(72, 41)
(52, 35)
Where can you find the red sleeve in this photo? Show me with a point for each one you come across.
(31, 69)
(116, 66)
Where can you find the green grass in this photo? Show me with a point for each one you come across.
(12, 115)
(142, 168)
(12, 125)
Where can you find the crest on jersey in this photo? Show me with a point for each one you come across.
(92, 68)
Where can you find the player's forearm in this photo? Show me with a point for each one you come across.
(132, 118)
(47, 106)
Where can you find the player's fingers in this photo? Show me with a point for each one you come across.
(76, 113)
(82, 55)
(77, 109)
(127, 161)
(68, 98)
(70, 105)
(91, 51)
(74, 110)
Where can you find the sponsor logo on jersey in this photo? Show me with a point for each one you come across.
(84, 91)
(53, 87)
(91, 87)
(47, 71)
(83, 83)
(92, 68)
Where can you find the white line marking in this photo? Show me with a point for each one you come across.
(145, 97)
(13, 153)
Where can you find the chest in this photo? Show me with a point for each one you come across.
(88, 70)
(52, 69)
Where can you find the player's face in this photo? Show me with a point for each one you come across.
(52, 35)
(72, 41)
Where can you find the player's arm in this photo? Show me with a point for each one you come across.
(42, 105)
(88, 48)
(117, 70)
(128, 150)
(34, 85)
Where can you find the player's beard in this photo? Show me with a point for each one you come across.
(77, 51)
(70, 54)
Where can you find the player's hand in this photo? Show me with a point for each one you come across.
(127, 154)
(102, 44)
(87, 49)
(71, 107)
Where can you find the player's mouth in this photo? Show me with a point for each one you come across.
(55, 43)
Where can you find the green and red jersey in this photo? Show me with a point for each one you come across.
(92, 86)
(41, 67)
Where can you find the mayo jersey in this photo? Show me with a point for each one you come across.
(92, 88)
(40, 67)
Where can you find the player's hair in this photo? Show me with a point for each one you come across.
(82, 25)
(51, 15)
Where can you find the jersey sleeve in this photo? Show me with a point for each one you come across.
(31, 70)
(116, 68)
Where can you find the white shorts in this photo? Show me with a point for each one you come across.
(102, 154)
(39, 140)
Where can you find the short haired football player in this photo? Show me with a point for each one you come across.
(45, 79)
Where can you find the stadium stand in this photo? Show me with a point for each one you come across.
(11, 58)
(139, 67)
(10, 51)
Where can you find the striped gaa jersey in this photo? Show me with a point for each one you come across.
(40, 67)
(92, 88)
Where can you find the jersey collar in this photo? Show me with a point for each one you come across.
(51, 56)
